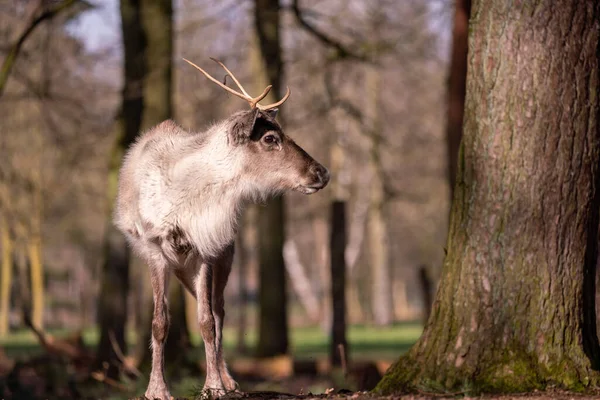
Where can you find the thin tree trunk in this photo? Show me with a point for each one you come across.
(457, 80)
(381, 294)
(273, 326)
(300, 281)
(34, 250)
(241, 253)
(273, 335)
(114, 286)
(6, 277)
(355, 243)
(179, 335)
(20, 262)
(36, 271)
(337, 245)
(515, 307)
(322, 280)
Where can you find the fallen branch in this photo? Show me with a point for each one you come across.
(101, 377)
(127, 363)
(71, 347)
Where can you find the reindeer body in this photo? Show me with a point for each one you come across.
(180, 195)
(183, 182)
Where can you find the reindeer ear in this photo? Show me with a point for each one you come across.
(272, 113)
(243, 126)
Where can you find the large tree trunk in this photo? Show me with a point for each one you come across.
(114, 286)
(457, 82)
(515, 307)
(273, 327)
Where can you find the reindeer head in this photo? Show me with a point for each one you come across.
(271, 159)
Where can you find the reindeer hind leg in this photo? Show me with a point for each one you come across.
(157, 387)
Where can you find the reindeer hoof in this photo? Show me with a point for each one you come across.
(209, 393)
(231, 385)
(157, 394)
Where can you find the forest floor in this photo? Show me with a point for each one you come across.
(304, 375)
(27, 366)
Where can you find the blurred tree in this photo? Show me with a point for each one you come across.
(34, 243)
(5, 276)
(337, 243)
(114, 286)
(457, 80)
(273, 326)
(41, 11)
(515, 307)
(241, 264)
(158, 106)
(377, 230)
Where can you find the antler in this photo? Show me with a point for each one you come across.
(253, 101)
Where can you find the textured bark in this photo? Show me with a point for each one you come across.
(515, 306)
(426, 287)
(273, 327)
(114, 286)
(457, 82)
(337, 245)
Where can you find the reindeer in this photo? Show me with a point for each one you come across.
(179, 198)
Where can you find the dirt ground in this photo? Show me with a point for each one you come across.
(547, 395)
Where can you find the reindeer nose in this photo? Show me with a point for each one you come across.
(322, 174)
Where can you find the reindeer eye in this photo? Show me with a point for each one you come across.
(270, 139)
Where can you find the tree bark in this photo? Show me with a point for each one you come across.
(515, 306)
(457, 82)
(273, 327)
(337, 244)
(114, 286)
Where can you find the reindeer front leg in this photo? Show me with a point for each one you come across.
(204, 297)
(157, 387)
(219, 279)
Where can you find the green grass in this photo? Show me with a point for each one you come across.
(365, 342)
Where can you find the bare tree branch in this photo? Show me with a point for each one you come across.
(343, 52)
(48, 13)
